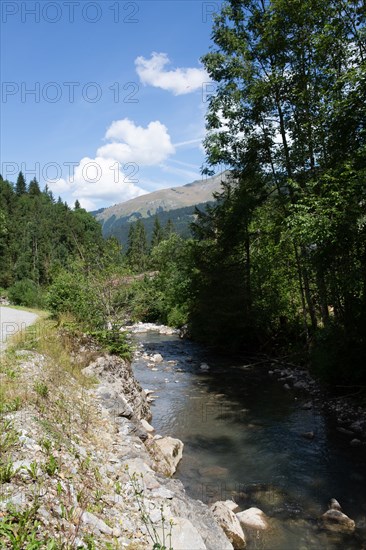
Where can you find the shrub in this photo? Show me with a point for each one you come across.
(26, 293)
(71, 293)
(114, 341)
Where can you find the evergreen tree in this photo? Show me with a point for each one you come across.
(137, 252)
(41, 236)
(158, 234)
(21, 186)
(77, 205)
(33, 188)
(169, 229)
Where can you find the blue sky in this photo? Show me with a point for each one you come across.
(118, 100)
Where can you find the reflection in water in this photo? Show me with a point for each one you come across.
(242, 435)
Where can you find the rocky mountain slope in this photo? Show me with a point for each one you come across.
(176, 203)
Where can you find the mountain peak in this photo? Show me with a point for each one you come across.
(163, 200)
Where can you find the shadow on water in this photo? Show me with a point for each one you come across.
(243, 438)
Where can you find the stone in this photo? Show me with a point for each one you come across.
(307, 406)
(344, 431)
(230, 524)
(334, 505)
(138, 466)
(119, 391)
(156, 358)
(286, 387)
(184, 536)
(334, 520)
(18, 499)
(168, 452)
(162, 492)
(231, 505)
(356, 442)
(96, 523)
(21, 465)
(300, 385)
(358, 426)
(147, 426)
(308, 435)
(204, 367)
(129, 428)
(253, 518)
(199, 515)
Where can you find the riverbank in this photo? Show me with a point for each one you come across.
(80, 465)
(347, 410)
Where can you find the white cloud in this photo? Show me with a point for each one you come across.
(179, 81)
(130, 143)
(99, 182)
(112, 176)
(187, 175)
(196, 142)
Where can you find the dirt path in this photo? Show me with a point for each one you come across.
(13, 321)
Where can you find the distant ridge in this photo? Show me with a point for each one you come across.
(175, 203)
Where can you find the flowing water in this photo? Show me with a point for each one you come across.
(242, 434)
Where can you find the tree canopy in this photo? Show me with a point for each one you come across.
(288, 230)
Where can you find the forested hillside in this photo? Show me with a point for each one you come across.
(181, 218)
(40, 235)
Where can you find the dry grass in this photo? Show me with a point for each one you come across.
(47, 377)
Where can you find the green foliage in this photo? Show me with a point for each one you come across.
(338, 356)
(41, 389)
(171, 221)
(71, 293)
(39, 235)
(6, 471)
(91, 292)
(281, 255)
(137, 252)
(158, 233)
(21, 187)
(51, 466)
(19, 530)
(164, 297)
(26, 293)
(113, 341)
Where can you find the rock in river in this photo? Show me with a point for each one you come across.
(167, 452)
(230, 524)
(335, 520)
(253, 518)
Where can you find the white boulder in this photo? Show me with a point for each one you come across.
(253, 518)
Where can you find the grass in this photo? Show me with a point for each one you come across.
(58, 371)
(19, 530)
(51, 387)
(46, 383)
